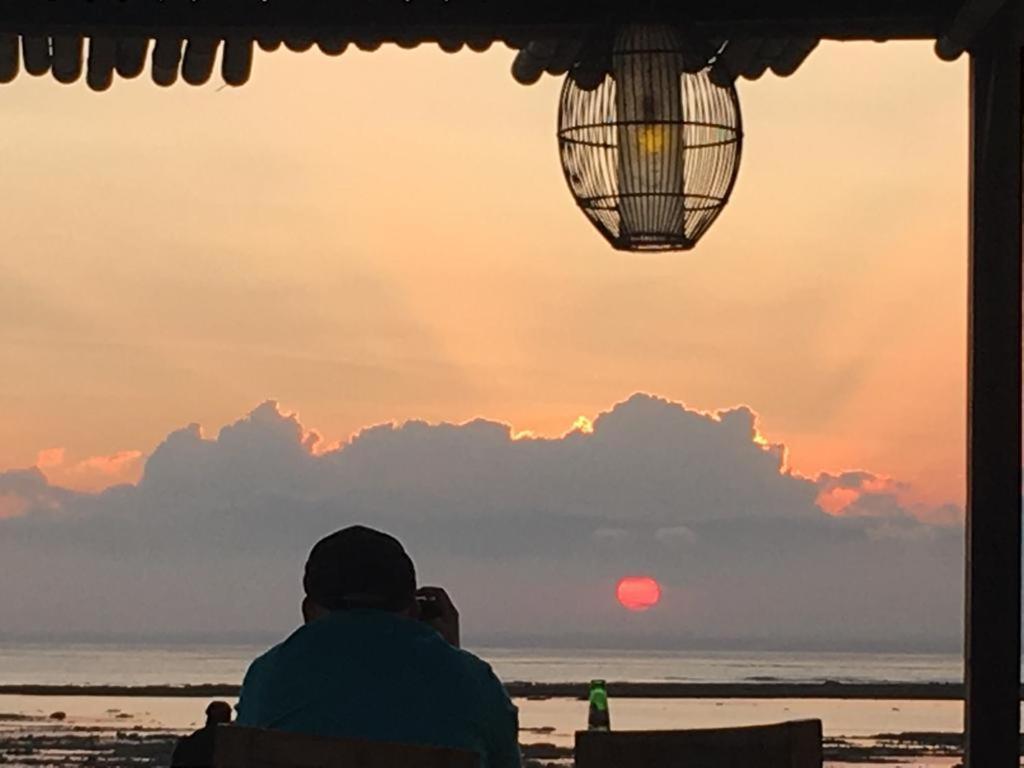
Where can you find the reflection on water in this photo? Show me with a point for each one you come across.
(840, 718)
(140, 726)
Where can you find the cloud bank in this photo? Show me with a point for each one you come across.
(530, 534)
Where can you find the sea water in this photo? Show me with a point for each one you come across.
(132, 664)
(543, 721)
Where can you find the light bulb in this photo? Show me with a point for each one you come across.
(647, 68)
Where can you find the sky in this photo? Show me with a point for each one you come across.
(530, 535)
(387, 237)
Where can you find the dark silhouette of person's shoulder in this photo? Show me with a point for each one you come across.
(195, 750)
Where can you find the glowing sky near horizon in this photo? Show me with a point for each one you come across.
(388, 236)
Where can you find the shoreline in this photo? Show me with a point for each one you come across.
(153, 748)
(523, 690)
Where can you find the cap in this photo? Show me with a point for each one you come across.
(359, 567)
(219, 711)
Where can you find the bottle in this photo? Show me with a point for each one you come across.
(598, 719)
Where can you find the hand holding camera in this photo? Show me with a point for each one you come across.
(436, 608)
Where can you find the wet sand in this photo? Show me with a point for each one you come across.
(135, 731)
(135, 749)
(42, 743)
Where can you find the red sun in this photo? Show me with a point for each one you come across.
(638, 593)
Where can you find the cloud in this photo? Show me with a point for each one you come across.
(530, 533)
(27, 490)
(12, 505)
(863, 494)
(677, 535)
(95, 473)
(50, 457)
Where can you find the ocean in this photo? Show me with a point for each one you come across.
(853, 723)
(131, 664)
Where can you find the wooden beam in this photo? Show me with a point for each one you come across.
(429, 20)
(993, 594)
(972, 18)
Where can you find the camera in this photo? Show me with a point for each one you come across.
(430, 609)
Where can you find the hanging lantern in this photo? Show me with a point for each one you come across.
(649, 144)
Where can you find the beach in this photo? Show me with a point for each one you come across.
(122, 731)
(123, 705)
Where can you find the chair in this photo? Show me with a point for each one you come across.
(786, 745)
(237, 747)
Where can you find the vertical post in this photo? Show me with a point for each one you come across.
(993, 595)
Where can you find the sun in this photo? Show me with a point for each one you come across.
(638, 593)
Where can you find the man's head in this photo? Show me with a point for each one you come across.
(358, 567)
(218, 712)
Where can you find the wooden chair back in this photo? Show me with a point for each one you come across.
(237, 747)
(795, 744)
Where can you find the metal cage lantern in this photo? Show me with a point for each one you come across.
(650, 146)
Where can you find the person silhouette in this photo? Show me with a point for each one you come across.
(196, 749)
(378, 659)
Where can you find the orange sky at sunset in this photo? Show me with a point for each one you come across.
(388, 236)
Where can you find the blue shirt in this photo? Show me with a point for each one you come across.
(380, 676)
